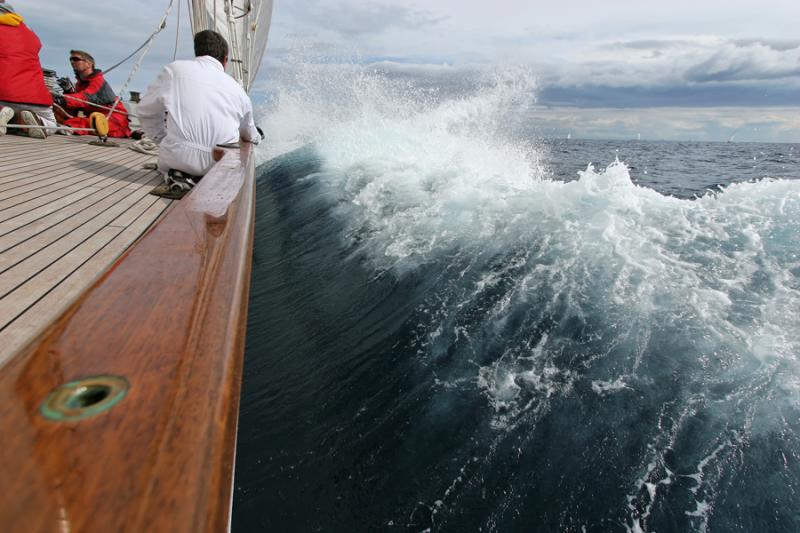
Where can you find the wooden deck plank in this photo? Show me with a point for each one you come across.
(21, 164)
(24, 296)
(17, 203)
(141, 214)
(58, 178)
(99, 214)
(22, 153)
(67, 211)
(177, 425)
(82, 245)
(56, 206)
(12, 141)
(59, 175)
(58, 168)
(45, 156)
(41, 313)
(112, 193)
(12, 161)
(62, 195)
(63, 179)
(51, 254)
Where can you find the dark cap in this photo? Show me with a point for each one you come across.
(85, 55)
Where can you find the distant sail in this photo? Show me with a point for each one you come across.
(244, 24)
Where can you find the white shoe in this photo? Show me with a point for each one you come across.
(6, 114)
(31, 120)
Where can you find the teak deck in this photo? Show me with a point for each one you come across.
(167, 317)
(67, 211)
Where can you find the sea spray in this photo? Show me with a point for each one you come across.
(444, 336)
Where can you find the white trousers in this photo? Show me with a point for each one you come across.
(43, 112)
(184, 156)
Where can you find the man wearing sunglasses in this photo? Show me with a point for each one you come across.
(91, 93)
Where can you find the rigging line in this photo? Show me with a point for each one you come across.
(76, 99)
(135, 68)
(245, 12)
(252, 45)
(151, 37)
(233, 49)
(177, 32)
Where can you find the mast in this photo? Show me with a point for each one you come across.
(244, 24)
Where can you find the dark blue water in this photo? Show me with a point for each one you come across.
(466, 337)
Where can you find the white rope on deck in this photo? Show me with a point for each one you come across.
(57, 127)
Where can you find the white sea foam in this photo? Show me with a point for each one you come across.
(424, 177)
(609, 387)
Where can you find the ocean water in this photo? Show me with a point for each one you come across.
(458, 325)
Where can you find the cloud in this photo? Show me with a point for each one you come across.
(109, 33)
(355, 20)
(676, 95)
(780, 45)
(736, 62)
(701, 59)
(698, 124)
(650, 44)
(673, 55)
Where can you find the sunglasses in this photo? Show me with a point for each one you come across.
(75, 59)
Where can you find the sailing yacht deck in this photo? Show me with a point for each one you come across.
(67, 211)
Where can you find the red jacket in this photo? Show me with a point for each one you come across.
(21, 78)
(95, 90)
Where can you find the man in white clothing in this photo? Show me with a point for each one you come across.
(194, 105)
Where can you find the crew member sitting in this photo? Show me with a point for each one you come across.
(92, 93)
(191, 107)
(24, 98)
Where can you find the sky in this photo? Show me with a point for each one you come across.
(678, 70)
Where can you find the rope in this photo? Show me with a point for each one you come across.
(234, 45)
(177, 32)
(99, 106)
(150, 38)
(147, 45)
(57, 127)
(115, 65)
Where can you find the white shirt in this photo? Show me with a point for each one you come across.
(192, 106)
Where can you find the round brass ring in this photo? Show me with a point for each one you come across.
(83, 398)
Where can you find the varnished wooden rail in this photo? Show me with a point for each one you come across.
(169, 317)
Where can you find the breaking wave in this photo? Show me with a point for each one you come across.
(499, 349)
